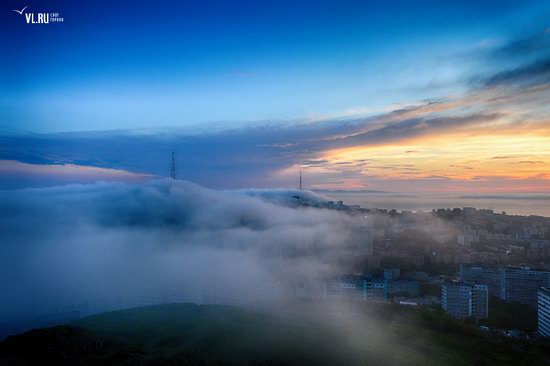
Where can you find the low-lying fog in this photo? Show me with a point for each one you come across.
(108, 246)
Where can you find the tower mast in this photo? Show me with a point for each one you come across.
(173, 168)
(300, 179)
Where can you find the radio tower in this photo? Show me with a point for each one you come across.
(173, 168)
(300, 180)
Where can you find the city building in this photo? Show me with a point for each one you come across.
(480, 306)
(375, 288)
(544, 312)
(512, 284)
(392, 273)
(465, 240)
(492, 277)
(362, 243)
(456, 299)
(419, 276)
(522, 284)
(462, 300)
(403, 287)
(344, 287)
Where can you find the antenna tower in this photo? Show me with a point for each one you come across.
(173, 168)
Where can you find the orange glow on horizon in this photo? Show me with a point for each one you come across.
(453, 157)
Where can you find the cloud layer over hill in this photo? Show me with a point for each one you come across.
(110, 245)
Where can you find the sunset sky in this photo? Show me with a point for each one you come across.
(432, 97)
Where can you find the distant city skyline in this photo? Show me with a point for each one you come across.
(430, 97)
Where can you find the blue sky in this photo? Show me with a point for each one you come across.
(260, 87)
(132, 64)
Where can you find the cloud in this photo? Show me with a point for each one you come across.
(227, 159)
(507, 197)
(414, 127)
(15, 173)
(530, 75)
(507, 101)
(108, 245)
(534, 45)
(520, 62)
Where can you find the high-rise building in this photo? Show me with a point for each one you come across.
(480, 306)
(456, 299)
(522, 284)
(544, 312)
(362, 241)
(512, 284)
(375, 288)
(465, 240)
(462, 300)
(492, 277)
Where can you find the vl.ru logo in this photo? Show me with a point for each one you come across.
(39, 18)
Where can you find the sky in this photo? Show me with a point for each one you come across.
(430, 96)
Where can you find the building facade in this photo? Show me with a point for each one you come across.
(512, 284)
(544, 312)
(403, 287)
(376, 288)
(522, 284)
(462, 300)
(480, 305)
(492, 277)
(456, 299)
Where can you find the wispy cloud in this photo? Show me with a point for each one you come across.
(459, 137)
(15, 174)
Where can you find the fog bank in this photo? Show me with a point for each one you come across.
(108, 246)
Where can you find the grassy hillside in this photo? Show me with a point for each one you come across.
(301, 334)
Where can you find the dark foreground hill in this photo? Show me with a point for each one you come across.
(303, 334)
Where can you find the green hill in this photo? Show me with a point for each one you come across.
(301, 334)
